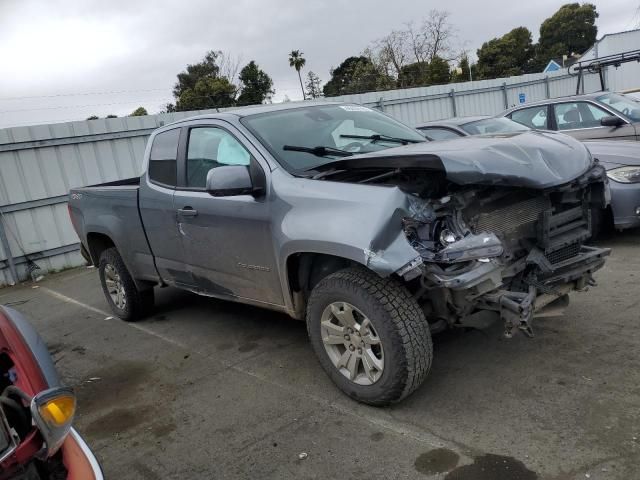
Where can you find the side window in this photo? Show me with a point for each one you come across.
(162, 160)
(596, 112)
(533, 117)
(439, 133)
(578, 115)
(211, 147)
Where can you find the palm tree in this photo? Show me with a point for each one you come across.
(297, 61)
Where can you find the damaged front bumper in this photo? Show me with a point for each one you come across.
(506, 255)
(517, 308)
(485, 287)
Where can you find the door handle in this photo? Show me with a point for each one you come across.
(187, 212)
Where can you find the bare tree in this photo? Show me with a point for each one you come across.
(393, 50)
(439, 33)
(229, 65)
(418, 43)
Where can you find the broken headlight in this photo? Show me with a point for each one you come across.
(471, 247)
(446, 240)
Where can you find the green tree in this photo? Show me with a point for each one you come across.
(168, 108)
(414, 75)
(207, 68)
(367, 77)
(356, 75)
(201, 85)
(297, 61)
(422, 74)
(465, 71)
(438, 71)
(207, 93)
(572, 29)
(139, 112)
(93, 117)
(313, 85)
(508, 55)
(256, 85)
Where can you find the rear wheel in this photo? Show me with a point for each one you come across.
(123, 296)
(369, 335)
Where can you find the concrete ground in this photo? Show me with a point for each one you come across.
(210, 389)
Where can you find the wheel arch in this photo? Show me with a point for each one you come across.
(304, 270)
(96, 244)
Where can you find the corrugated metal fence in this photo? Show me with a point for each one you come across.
(39, 164)
(484, 97)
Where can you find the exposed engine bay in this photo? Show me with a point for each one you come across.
(489, 250)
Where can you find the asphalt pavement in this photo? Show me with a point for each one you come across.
(208, 389)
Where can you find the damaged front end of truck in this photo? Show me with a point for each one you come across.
(497, 226)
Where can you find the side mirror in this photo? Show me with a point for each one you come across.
(611, 121)
(229, 180)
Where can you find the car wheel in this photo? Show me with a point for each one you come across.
(369, 335)
(123, 296)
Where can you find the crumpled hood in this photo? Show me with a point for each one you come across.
(615, 153)
(529, 159)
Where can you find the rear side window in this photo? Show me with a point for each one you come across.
(534, 117)
(162, 160)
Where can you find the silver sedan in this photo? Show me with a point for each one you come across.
(620, 158)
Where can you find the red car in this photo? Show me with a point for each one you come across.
(37, 441)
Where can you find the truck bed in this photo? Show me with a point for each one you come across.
(111, 210)
(126, 182)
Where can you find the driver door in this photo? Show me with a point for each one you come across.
(227, 240)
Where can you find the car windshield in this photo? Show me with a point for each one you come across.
(318, 130)
(493, 125)
(622, 104)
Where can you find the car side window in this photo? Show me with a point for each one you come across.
(212, 147)
(439, 133)
(162, 159)
(575, 115)
(533, 117)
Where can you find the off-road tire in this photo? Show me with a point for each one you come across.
(398, 321)
(138, 302)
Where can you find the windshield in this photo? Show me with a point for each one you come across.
(493, 125)
(622, 104)
(320, 128)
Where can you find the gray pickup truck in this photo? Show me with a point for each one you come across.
(342, 216)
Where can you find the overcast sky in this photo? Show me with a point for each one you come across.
(75, 58)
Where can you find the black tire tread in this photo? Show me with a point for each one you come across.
(139, 302)
(407, 317)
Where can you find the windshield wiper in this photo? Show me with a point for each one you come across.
(385, 138)
(319, 151)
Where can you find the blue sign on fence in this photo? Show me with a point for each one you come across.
(522, 97)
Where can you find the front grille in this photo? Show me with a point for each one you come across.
(561, 229)
(564, 253)
(509, 218)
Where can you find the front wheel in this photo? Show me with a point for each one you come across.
(123, 296)
(369, 335)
